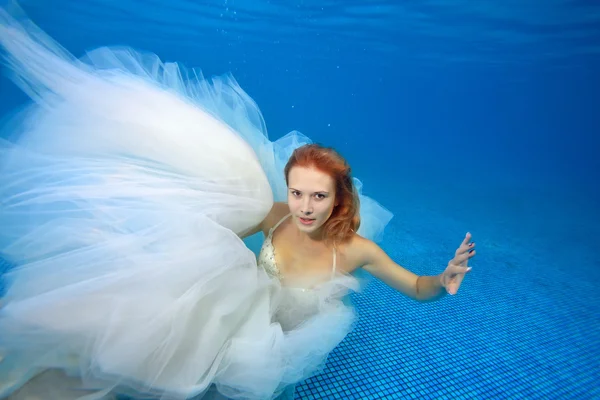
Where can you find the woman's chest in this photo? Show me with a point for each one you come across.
(302, 264)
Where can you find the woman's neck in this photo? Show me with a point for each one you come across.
(317, 236)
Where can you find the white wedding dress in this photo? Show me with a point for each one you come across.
(124, 189)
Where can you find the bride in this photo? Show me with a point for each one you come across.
(127, 190)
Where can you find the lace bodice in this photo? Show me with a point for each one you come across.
(266, 257)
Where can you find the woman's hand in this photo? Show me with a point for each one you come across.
(458, 266)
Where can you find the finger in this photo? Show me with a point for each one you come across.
(453, 284)
(468, 255)
(467, 239)
(464, 248)
(468, 246)
(458, 270)
(461, 250)
(452, 288)
(463, 258)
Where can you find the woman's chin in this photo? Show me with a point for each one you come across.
(306, 225)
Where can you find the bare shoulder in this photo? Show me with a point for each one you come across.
(278, 211)
(367, 255)
(359, 252)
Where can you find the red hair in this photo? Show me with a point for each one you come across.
(344, 220)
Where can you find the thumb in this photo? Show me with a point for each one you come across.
(452, 288)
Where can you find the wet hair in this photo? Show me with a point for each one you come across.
(345, 219)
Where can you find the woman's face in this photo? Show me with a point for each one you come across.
(311, 198)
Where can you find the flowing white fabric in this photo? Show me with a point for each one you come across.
(124, 189)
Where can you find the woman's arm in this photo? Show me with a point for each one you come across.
(420, 288)
(278, 211)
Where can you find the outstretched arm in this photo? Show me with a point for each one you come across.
(420, 288)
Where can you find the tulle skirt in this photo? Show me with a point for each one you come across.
(124, 190)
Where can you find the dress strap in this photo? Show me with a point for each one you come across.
(278, 223)
(334, 262)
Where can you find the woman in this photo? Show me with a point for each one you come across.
(126, 189)
(323, 213)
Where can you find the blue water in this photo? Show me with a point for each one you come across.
(458, 116)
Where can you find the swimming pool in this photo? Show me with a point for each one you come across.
(456, 117)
